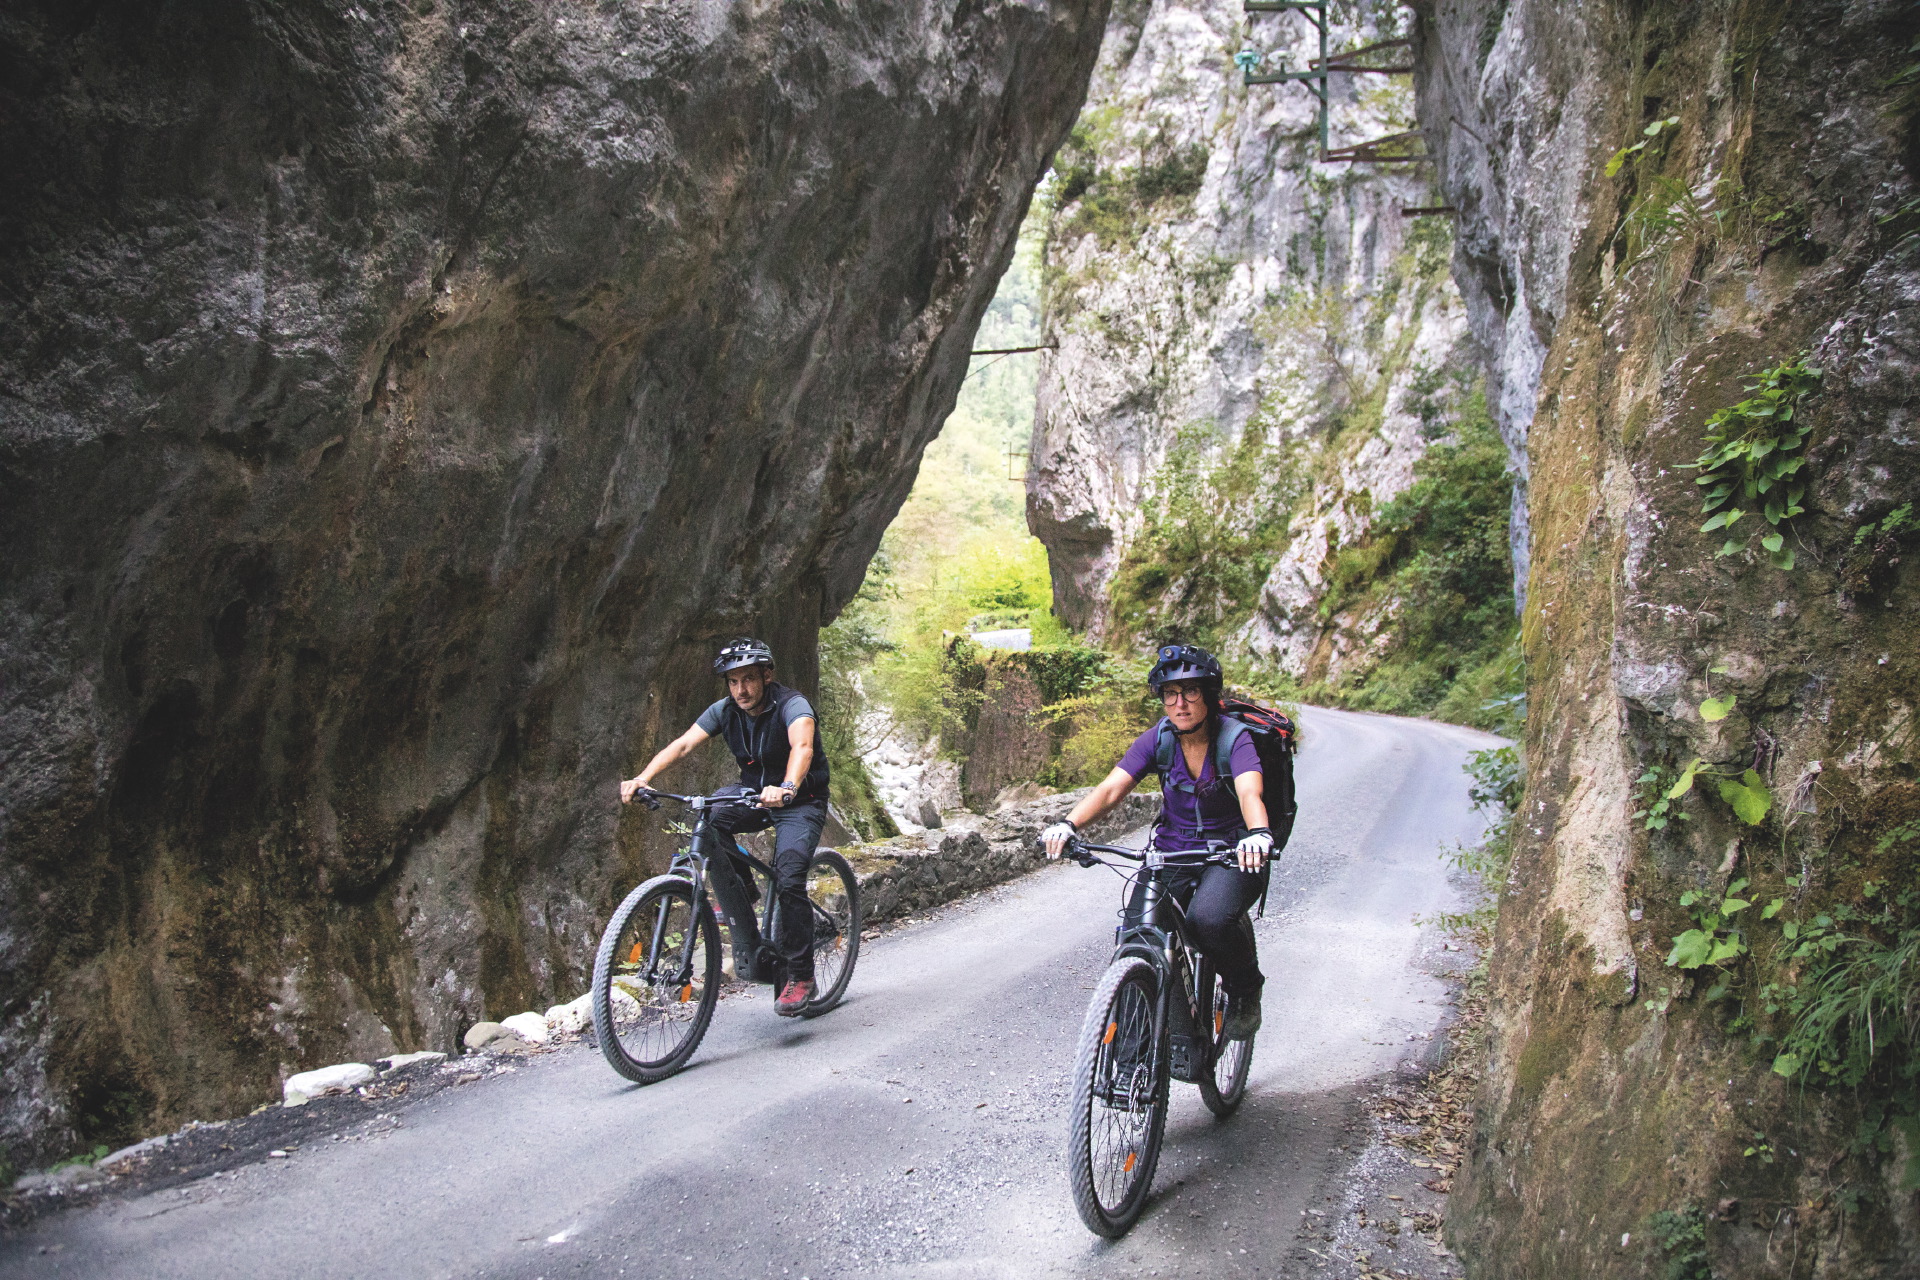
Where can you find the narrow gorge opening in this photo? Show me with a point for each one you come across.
(1258, 424)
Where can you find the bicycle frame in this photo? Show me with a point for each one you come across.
(691, 862)
(1167, 950)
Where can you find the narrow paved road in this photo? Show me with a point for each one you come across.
(916, 1131)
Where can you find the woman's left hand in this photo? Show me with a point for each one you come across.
(1254, 849)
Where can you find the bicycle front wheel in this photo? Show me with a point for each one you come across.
(834, 895)
(655, 980)
(1120, 1075)
(1224, 1086)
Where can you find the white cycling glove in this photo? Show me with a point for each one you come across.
(1056, 836)
(1256, 845)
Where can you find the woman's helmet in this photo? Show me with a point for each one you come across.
(1184, 662)
(744, 652)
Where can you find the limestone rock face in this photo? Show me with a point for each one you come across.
(1769, 213)
(1218, 295)
(400, 400)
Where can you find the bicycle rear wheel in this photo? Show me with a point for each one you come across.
(1120, 1075)
(1224, 1086)
(834, 893)
(653, 993)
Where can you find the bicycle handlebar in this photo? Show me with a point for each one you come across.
(651, 797)
(1217, 851)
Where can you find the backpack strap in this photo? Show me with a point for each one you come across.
(1232, 729)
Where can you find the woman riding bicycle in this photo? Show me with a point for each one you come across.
(1197, 806)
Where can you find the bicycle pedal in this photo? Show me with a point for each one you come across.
(1184, 1061)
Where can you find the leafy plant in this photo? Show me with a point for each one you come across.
(1714, 938)
(1496, 778)
(1658, 807)
(1648, 134)
(1746, 793)
(1852, 1010)
(84, 1159)
(1754, 457)
(1682, 1237)
(1898, 521)
(1714, 710)
(1495, 790)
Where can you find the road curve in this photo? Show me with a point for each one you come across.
(917, 1131)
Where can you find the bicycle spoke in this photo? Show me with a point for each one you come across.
(657, 991)
(1124, 1096)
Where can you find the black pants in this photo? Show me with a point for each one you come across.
(1216, 900)
(796, 834)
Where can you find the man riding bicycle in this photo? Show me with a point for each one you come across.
(1198, 806)
(774, 735)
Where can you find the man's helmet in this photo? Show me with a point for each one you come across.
(744, 652)
(1184, 662)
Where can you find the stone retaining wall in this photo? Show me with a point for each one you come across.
(913, 873)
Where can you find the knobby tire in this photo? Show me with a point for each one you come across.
(1120, 1083)
(678, 1011)
(1224, 1085)
(834, 891)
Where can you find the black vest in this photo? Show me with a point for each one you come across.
(760, 744)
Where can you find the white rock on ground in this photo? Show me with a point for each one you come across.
(113, 1160)
(575, 1015)
(59, 1179)
(529, 1026)
(399, 1060)
(482, 1034)
(304, 1087)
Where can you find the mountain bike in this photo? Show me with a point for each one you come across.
(1158, 1014)
(658, 973)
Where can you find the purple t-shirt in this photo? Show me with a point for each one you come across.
(1210, 808)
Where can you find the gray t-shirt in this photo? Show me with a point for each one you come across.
(797, 708)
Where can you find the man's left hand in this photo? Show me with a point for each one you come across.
(774, 797)
(1254, 849)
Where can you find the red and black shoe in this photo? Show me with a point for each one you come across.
(793, 998)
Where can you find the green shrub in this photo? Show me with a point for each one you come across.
(848, 648)
(1099, 720)
(1211, 534)
(1682, 1237)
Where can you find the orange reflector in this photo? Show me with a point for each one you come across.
(1128, 1166)
(1112, 1027)
(686, 993)
(1219, 1021)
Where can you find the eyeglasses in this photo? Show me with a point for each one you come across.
(1169, 695)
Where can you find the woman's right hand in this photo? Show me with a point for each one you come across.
(1056, 836)
(630, 785)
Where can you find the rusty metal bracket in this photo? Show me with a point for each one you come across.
(1388, 150)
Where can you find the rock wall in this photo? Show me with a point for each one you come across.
(400, 400)
(921, 871)
(1630, 1123)
(1245, 337)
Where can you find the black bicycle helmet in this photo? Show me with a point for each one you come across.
(1184, 662)
(744, 652)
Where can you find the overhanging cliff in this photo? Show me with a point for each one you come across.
(399, 401)
(1657, 203)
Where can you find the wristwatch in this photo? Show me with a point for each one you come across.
(789, 787)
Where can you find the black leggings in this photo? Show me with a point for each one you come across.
(796, 834)
(1216, 900)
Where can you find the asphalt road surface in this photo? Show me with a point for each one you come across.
(916, 1131)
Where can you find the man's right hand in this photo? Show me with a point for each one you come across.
(630, 785)
(1056, 836)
